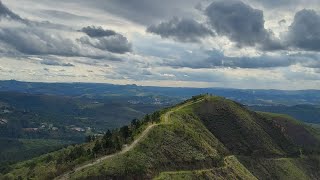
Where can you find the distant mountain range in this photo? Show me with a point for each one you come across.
(245, 96)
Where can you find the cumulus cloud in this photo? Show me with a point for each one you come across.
(185, 30)
(241, 23)
(93, 31)
(115, 44)
(106, 40)
(238, 21)
(304, 32)
(234, 19)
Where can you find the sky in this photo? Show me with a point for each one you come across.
(249, 44)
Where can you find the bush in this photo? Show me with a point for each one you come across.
(8, 177)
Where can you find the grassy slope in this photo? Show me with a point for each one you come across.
(232, 170)
(283, 168)
(238, 128)
(314, 129)
(300, 133)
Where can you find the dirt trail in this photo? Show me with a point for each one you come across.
(126, 149)
(168, 114)
(97, 161)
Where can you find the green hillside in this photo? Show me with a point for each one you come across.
(206, 137)
(15, 150)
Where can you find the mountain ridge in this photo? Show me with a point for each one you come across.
(187, 143)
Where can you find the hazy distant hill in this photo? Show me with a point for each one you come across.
(303, 105)
(203, 138)
(249, 97)
(27, 113)
(306, 113)
(29, 121)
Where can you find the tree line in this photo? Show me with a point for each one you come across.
(110, 142)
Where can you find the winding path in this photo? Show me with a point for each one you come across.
(66, 175)
(99, 160)
(168, 114)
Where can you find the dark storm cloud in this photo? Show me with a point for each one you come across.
(105, 40)
(93, 31)
(245, 26)
(185, 30)
(115, 44)
(241, 23)
(304, 32)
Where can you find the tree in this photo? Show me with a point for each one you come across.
(31, 165)
(48, 158)
(117, 144)
(97, 148)
(125, 132)
(76, 152)
(135, 123)
(107, 145)
(89, 138)
(107, 135)
(147, 118)
(156, 116)
(89, 152)
(59, 160)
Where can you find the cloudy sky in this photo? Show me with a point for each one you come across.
(261, 44)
